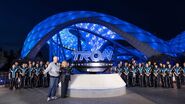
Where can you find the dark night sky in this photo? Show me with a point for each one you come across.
(165, 18)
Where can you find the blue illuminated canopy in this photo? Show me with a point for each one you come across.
(86, 30)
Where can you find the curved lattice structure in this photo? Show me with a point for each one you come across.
(87, 30)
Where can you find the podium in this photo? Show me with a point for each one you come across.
(95, 86)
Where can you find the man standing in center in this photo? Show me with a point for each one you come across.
(54, 72)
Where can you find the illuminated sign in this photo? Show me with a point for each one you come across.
(92, 56)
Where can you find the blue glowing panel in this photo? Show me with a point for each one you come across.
(69, 41)
(99, 29)
(177, 44)
(47, 25)
(91, 41)
(124, 57)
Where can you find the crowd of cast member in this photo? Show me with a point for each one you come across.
(152, 74)
(28, 74)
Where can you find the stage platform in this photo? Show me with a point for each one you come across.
(135, 95)
(95, 86)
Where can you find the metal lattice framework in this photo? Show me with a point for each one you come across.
(87, 30)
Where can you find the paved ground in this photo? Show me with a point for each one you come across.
(134, 95)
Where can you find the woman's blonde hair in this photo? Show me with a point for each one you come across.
(65, 64)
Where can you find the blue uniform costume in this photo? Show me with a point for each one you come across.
(119, 70)
(125, 74)
(37, 76)
(182, 76)
(156, 77)
(170, 76)
(177, 76)
(30, 77)
(13, 74)
(42, 77)
(141, 78)
(163, 74)
(45, 79)
(167, 77)
(134, 72)
(147, 76)
(23, 76)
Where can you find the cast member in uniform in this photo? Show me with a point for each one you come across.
(177, 70)
(147, 75)
(156, 76)
(12, 77)
(125, 73)
(141, 75)
(170, 73)
(23, 74)
(163, 74)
